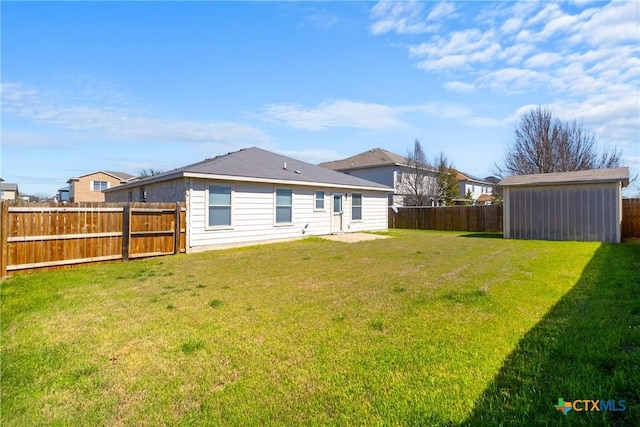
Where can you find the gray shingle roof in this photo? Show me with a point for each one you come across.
(9, 187)
(576, 177)
(258, 164)
(122, 176)
(374, 157)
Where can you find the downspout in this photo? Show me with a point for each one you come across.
(188, 215)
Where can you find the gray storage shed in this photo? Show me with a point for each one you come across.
(581, 205)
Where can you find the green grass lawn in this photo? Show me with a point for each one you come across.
(426, 328)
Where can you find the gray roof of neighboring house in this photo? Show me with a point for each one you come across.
(255, 164)
(9, 187)
(122, 176)
(371, 158)
(462, 176)
(576, 177)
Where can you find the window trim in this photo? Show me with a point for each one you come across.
(275, 207)
(95, 181)
(315, 201)
(360, 206)
(207, 206)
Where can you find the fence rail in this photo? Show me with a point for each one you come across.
(49, 236)
(487, 218)
(630, 218)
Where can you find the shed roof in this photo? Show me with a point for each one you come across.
(258, 165)
(575, 177)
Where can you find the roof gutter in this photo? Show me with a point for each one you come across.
(176, 175)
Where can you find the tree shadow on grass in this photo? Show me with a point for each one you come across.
(587, 347)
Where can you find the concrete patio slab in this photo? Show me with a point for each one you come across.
(353, 237)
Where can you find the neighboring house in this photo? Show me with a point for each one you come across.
(479, 190)
(383, 167)
(252, 195)
(63, 194)
(581, 205)
(8, 191)
(90, 187)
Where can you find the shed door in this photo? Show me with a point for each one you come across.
(336, 220)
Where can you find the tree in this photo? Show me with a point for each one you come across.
(496, 191)
(418, 183)
(145, 173)
(447, 182)
(544, 144)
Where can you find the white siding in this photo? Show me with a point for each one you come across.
(476, 189)
(253, 215)
(385, 175)
(374, 212)
(253, 211)
(382, 175)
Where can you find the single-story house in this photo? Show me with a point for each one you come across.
(582, 205)
(253, 195)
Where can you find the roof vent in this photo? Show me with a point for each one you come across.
(284, 166)
(298, 172)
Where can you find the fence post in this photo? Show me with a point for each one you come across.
(126, 231)
(176, 229)
(4, 229)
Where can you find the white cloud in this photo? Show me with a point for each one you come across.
(543, 60)
(511, 25)
(615, 23)
(441, 10)
(403, 17)
(583, 55)
(461, 87)
(102, 114)
(336, 114)
(345, 114)
(310, 156)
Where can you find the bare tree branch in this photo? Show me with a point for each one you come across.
(543, 144)
(418, 184)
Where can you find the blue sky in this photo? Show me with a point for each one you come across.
(124, 86)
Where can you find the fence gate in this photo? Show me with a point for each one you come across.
(50, 236)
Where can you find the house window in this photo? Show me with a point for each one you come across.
(284, 204)
(130, 196)
(143, 195)
(319, 205)
(100, 185)
(356, 207)
(219, 206)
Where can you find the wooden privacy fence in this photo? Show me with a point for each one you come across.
(486, 218)
(630, 218)
(50, 236)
